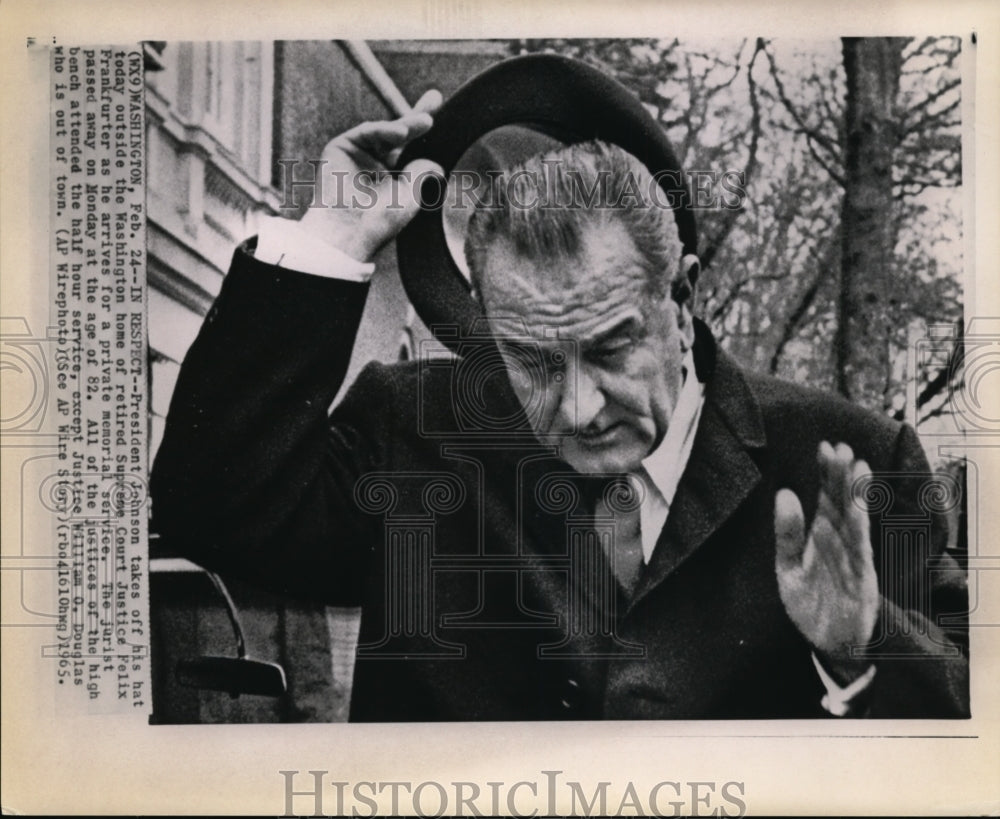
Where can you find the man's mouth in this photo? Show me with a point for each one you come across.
(597, 438)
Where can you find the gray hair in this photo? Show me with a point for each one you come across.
(542, 205)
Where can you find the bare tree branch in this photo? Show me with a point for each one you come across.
(804, 302)
(710, 251)
(943, 380)
(810, 135)
(820, 138)
(935, 50)
(935, 119)
(930, 99)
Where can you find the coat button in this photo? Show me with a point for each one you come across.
(572, 695)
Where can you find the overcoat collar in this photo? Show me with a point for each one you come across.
(721, 471)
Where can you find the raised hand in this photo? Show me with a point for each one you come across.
(371, 205)
(827, 578)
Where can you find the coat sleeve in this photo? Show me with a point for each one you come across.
(920, 646)
(253, 478)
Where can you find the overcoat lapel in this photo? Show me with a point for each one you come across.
(720, 473)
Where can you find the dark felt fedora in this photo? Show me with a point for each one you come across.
(559, 99)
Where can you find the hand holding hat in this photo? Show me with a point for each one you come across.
(563, 98)
(373, 204)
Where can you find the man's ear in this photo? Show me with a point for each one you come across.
(685, 279)
(682, 291)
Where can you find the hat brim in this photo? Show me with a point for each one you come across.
(561, 97)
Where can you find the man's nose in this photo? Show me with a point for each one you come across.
(581, 398)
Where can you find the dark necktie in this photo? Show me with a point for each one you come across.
(620, 509)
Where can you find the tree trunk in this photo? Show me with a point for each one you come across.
(872, 67)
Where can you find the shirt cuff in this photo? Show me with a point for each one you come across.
(837, 699)
(284, 243)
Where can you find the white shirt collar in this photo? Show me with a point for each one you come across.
(663, 467)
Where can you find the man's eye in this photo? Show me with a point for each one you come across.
(612, 350)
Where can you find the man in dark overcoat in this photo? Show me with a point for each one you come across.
(590, 510)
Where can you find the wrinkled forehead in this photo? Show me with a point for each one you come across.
(570, 296)
(605, 258)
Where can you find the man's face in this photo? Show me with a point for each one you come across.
(609, 370)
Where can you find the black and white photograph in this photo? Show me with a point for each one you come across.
(615, 335)
(447, 407)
